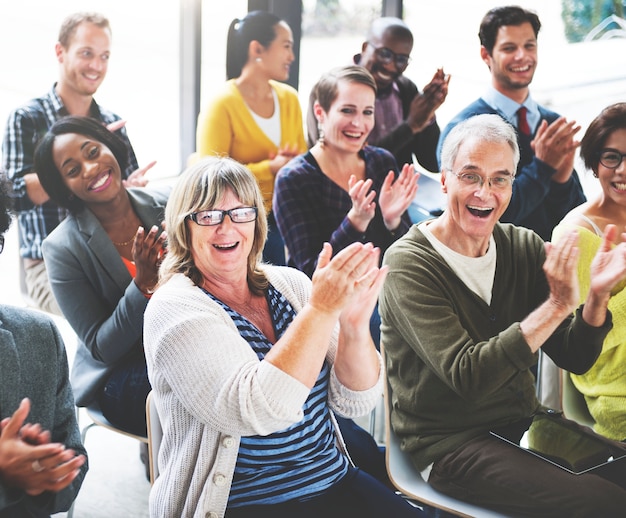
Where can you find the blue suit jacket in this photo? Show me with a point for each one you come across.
(537, 203)
(96, 294)
(33, 364)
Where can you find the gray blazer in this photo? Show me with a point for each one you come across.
(96, 294)
(33, 364)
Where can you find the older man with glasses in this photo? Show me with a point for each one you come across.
(467, 304)
(405, 117)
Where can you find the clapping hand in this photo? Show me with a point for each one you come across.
(148, 251)
(363, 205)
(555, 145)
(608, 268)
(396, 196)
(136, 178)
(423, 106)
(343, 280)
(29, 461)
(560, 268)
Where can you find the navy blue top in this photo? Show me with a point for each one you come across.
(311, 209)
(300, 461)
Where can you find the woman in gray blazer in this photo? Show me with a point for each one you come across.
(102, 261)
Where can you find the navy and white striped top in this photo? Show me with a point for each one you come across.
(300, 461)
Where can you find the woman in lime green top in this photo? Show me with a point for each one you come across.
(256, 119)
(603, 150)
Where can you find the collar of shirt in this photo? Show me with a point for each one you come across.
(508, 108)
(59, 107)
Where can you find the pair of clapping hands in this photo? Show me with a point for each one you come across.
(347, 285)
(607, 273)
(30, 461)
(394, 199)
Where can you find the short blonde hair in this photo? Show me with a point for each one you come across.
(201, 187)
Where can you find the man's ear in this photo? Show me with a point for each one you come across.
(485, 56)
(364, 46)
(444, 188)
(59, 51)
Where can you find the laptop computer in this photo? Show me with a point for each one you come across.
(562, 443)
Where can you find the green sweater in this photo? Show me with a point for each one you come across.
(459, 367)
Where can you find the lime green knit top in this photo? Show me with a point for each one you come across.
(604, 385)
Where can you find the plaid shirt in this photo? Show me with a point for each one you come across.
(311, 209)
(25, 126)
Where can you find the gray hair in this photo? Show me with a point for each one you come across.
(486, 127)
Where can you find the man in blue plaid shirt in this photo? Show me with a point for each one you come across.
(83, 52)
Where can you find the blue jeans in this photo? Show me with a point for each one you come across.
(123, 397)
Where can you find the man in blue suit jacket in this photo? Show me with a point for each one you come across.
(546, 185)
(42, 459)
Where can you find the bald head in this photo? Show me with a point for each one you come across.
(387, 39)
(388, 26)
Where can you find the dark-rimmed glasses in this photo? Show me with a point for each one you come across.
(388, 56)
(208, 218)
(611, 158)
(498, 183)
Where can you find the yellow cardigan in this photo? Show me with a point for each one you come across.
(226, 127)
(604, 385)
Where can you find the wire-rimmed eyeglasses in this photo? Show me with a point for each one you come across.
(208, 218)
(388, 56)
(498, 182)
(611, 158)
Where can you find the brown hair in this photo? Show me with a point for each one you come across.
(71, 23)
(326, 90)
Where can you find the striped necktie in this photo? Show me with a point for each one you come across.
(522, 123)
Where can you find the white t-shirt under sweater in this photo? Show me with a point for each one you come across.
(476, 272)
(270, 125)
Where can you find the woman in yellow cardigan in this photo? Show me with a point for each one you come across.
(603, 150)
(256, 119)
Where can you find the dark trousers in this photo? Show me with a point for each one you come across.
(123, 398)
(363, 450)
(491, 473)
(274, 249)
(357, 494)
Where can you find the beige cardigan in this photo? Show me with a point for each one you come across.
(211, 389)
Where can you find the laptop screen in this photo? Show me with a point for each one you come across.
(563, 443)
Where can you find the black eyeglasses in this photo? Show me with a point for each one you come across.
(388, 56)
(611, 158)
(1, 243)
(208, 218)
